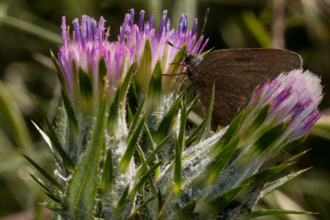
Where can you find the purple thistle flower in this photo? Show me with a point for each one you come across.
(294, 98)
(89, 44)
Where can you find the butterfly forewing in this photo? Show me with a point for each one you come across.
(236, 73)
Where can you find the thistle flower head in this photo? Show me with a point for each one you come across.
(294, 98)
(138, 43)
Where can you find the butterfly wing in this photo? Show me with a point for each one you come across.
(235, 74)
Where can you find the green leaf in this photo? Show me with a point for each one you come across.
(158, 148)
(137, 118)
(177, 168)
(269, 137)
(82, 187)
(216, 166)
(107, 175)
(161, 212)
(132, 97)
(44, 173)
(192, 103)
(113, 116)
(182, 130)
(296, 157)
(145, 166)
(49, 143)
(86, 90)
(59, 73)
(56, 143)
(122, 199)
(257, 214)
(69, 110)
(50, 192)
(215, 206)
(233, 127)
(195, 134)
(102, 74)
(124, 86)
(164, 125)
(141, 206)
(259, 119)
(140, 183)
(144, 71)
(289, 146)
(186, 212)
(264, 175)
(153, 101)
(178, 59)
(271, 186)
(124, 162)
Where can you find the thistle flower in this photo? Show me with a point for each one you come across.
(137, 43)
(120, 124)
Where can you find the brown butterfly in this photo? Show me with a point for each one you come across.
(235, 74)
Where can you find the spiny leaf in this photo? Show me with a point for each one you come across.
(215, 206)
(107, 175)
(113, 116)
(192, 104)
(256, 214)
(233, 127)
(269, 137)
(164, 125)
(216, 166)
(49, 191)
(259, 119)
(153, 155)
(86, 90)
(153, 101)
(59, 72)
(43, 172)
(82, 187)
(132, 97)
(195, 134)
(177, 167)
(141, 206)
(56, 143)
(186, 212)
(296, 157)
(264, 175)
(161, 212)
(144, 72)
(158, 147)
(271, 186)
(126, 82)
(139, 184)
(289, 146)
(69, 110)
(102, 74)
(122, 199)
(145, 166)
(124, 163)
(137, 118)
(182, 125)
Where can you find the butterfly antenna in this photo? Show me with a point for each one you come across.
(205, 19)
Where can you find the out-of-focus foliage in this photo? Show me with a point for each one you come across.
(29, 28)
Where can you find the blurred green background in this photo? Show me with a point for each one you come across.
(30, 28)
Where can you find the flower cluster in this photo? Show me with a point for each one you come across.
(137, 43)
